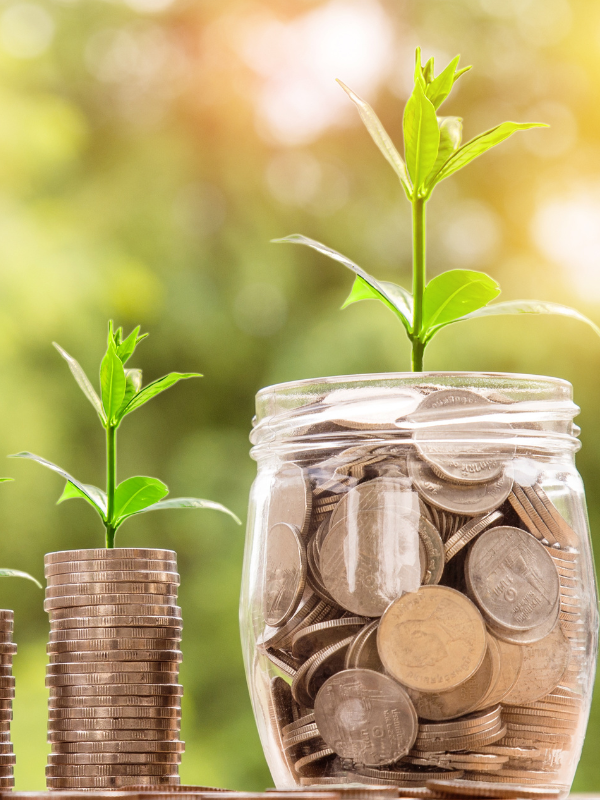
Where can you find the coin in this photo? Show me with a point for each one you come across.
(431, 541)
(357, 410)
(313, 610)
(84, 579)
(101, 554)
(290, 498)
(107, 564)
(461, 700)
(151, 601)
(315, 671)
(111, 587)
(120, 712)
(96, 667)
(301, 764)
(121, 724)
(81, 635)
(512, 578)
(122, 701)
(371, 553)
(107, 678)
(285, 573)
(114, 758)
(354, 707)
(511, 658)
(105, 783)
(459, 452)
(121, 746)
(97, 656)
(98, 770)
(117, 689)
(544, 664)
(362, 651)
(316, 637)
(434, 638)
(83, 735)
(468, 499)
(482, 789)
(468, 532)
(131, 614)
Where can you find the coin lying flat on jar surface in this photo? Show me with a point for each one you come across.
(354, 707)
(434, 638)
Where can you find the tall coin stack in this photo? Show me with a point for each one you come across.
(115, 701)
(7, 692)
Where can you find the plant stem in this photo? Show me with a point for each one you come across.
(419, 278)
(111, 482)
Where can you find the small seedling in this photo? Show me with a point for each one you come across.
(433, 152)
(121, 393)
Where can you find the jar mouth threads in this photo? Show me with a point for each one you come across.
(524, 412)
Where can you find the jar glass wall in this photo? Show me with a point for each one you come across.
(418, 598)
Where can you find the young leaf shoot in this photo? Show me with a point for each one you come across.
(121, 393)
(432, 153)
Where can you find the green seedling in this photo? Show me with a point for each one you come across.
(121, 393)
(17, 573)
(432, 153)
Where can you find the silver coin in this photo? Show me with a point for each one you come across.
(469, 500)
(512, 578)
(371, 553)
(285, 573)
(290, 498)
(365, 716)
(458, 452)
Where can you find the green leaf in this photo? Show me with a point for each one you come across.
(380, 137)
(83, 488)
(479, 145)
(450, 138)
(452, 295)
(126, 348)
(112, 381)
(421, 136)
(133, 384)
(419, 76)
(439, 89)
(71, 492)
(530, 307)
(428, 74)
(156, 387)
(393, 296)
(3, 480)
(135, 494)
(84, 382)
(361, 290)
(16, 573)
(191, 502)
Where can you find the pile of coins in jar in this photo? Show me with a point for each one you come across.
(422, 604)
(115, 701)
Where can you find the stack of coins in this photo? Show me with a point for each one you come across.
(424, 601)
(115, 701)
(7, 692)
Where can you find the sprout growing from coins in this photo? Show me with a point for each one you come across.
(121, 393)
(432, 153)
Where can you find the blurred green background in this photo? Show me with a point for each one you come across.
(149, 150)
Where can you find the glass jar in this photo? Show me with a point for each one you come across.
(418, 598)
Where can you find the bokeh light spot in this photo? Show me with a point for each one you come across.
(26, 30)
(471, 233)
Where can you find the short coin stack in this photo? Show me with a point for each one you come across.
(7, 692)
(115, 700)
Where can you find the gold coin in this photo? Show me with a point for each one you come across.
(511, 658)
(433, 638)
(362, 651)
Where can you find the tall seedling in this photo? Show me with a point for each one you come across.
(432, 153)
(121, 393)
